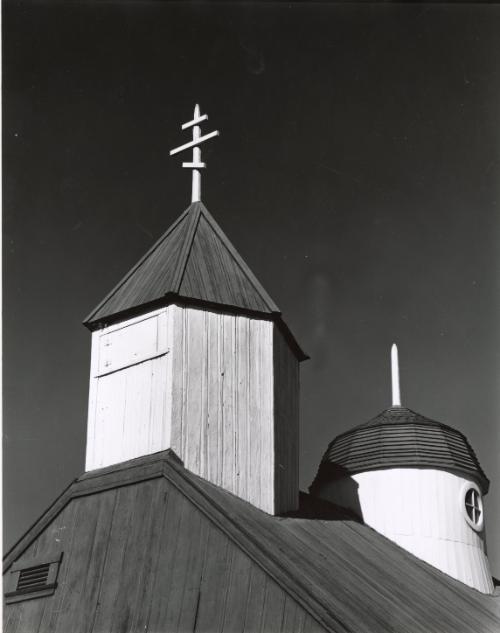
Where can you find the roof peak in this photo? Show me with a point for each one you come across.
(192, 260)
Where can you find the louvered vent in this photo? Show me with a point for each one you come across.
(33, 578)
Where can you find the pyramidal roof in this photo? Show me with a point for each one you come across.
(192, 261)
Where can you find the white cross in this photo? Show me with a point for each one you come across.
(196, 163)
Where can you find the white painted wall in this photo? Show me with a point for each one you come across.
(220, 390)
(130, 390)
(422, 511)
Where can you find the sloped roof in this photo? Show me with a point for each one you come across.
(193, 260)
(347, 577)
(398, 438)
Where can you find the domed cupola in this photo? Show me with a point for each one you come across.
(418, 482)
(400, 438)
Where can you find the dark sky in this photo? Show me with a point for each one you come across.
(357, 173)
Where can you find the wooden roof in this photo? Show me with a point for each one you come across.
(149, 546)
(400, 438)
(194, 261)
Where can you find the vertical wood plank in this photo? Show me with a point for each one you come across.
(214, 581)
(90, 452)
(12, 618)
(164, 578)
(286, 424)
(237, 592)
(293, 617)
(228, 427)
(149, 563)
(111, 404)
(87, 560)
(214, 430)
(112, 576)
(242, 406)
(194, 371)
(137, 543)
(179, 392)
(168, 327)
(255, 600)
(188, 569)
(256, 419)
(136, 416)
(158, 432)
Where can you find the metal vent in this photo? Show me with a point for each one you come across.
(33, 578)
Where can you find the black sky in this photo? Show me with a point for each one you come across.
(357, 173)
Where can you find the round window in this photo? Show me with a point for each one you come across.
(472, 506)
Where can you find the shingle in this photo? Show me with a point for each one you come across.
(194, 260)
(399, 438)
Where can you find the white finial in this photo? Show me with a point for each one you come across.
(196, 163)
(396, 395)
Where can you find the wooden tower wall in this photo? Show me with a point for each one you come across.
(286, 424)
(221, 390)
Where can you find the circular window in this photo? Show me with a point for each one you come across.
(472, 506)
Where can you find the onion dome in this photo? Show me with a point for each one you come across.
(399, 438)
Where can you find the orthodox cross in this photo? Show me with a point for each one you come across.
(196, 163)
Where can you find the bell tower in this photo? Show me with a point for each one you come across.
(189, 352)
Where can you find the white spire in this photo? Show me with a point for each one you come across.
(196, 163)
(396, 395)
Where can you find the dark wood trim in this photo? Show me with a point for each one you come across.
(35, 561)
(254, 546)
(137, 265)
(174, 299)
(30, 594)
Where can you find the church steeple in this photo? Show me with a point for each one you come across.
(189, 352)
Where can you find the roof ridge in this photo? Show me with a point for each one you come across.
(239, 260)
(134, 268)
(166, 464)
(296, 553)
(258, 550)
(186, 247)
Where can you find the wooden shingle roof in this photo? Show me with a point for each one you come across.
(192, 261)
(147, 545)
(400, 438)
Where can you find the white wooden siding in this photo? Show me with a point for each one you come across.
(130, 397)
(220, 390)
(223, 421)
(421, 510)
